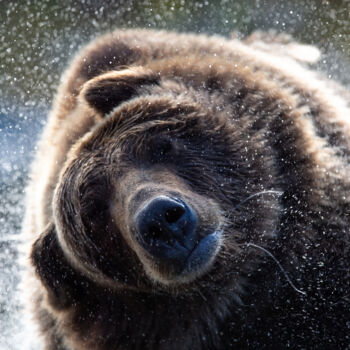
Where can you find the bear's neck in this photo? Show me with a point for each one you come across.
(131, 320)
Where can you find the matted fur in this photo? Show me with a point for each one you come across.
(260, 147)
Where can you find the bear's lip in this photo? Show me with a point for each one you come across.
(185, 264)
(202, 253)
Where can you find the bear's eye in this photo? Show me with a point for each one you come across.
(161, 149)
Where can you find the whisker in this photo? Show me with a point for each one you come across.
(278, 264)
(227, 217)
(279, 193)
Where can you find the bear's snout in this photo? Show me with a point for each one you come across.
(175, 243)
(166, 228)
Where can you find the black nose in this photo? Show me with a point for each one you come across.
(166, 227)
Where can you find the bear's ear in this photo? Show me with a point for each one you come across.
(63, 284)
(284, 45)
(107, 91)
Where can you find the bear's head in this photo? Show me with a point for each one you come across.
(162, 193)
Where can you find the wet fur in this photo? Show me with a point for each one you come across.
(252, 119)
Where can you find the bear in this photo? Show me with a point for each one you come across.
(192, 192)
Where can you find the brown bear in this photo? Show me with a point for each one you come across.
(192, 192)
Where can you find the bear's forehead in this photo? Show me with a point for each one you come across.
(145, 118)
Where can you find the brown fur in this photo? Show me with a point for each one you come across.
(256, 142)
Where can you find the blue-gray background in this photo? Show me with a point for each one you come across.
(39, 37)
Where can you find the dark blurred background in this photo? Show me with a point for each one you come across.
(39, 37)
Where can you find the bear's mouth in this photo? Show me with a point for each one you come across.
(202, 254)
(175, 264)
(172, 246)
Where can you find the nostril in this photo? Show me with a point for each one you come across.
(172, 215)
(155, 232)
(156, 235)
(167, 225)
